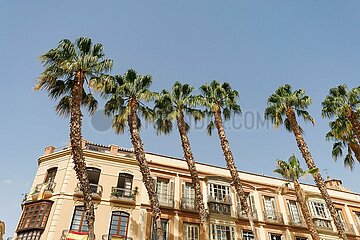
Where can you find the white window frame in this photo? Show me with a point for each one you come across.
(191, 231)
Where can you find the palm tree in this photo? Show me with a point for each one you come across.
(127, 95)
(220, 100)
(173, 106)
(345, 103)
(291, 171)
(67, 68)
(287, 103)
(341, 132)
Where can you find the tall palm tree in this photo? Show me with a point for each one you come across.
(220, 100)
(68, 67)
(127, 97)
(292, 171)
(345, 103)
(173, 106)
(287, 103)
(341, 132)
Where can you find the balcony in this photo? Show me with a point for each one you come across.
(323, 224)
(221, 199)
(273, 217)
(43, 191)
(122, 195)
(297, 222)
(95, 190)
(166, 200)
(349, 228)
(188, 204)
(242, 214)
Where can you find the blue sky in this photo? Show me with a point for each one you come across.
(255, 45)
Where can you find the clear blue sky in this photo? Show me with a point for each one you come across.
(255, 45)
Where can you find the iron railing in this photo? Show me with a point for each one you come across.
(49, 186)
(299, 221)
(242, 214)
(166, 200)
(273, 217)
(94, 189)
(123, 193)
(188, 204)
(226, 199)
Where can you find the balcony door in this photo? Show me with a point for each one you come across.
(50, 175)
(269, 205)
(294, 211)
(124, 183)
(93, 176)
(188, 194)
(164, 190)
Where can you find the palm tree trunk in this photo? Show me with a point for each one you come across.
(144, 167)
(77, 151)
(185, 142)
(229, 158)
(355, 148)
(354, 119)
(305, 211)
(290, 114)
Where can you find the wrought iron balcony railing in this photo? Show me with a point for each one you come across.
(49, 186)
(226, 199)
(166, 200)
(297, 221)
(219, 208)
(123, 194)
(242, 214)
(188, 204)
(95, 190)
(273, 217)
(323, 224)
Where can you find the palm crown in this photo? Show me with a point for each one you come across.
(340, 131)
(291, 169)
(171, 105)
(123, 91)
(67, 63)
(217, 97)
(283, 100)
(341, 101)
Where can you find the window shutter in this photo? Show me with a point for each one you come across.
(183, 193)
(252, 203)
(171, 188)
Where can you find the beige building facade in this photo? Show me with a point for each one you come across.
(54, 207)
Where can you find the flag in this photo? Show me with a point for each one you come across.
(72, 235)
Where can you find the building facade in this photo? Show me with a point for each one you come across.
(53, 208)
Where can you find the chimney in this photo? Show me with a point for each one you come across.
(333, 183)
(114, 149)
(49, 150)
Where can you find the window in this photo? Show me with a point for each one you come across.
(165, 229)
(341, 215)
(93, 176)
(219, 192)
(29, 235)
(318, 209)
(269, 204)
(357, 217)
(125, 181)
(191, 231)
(164, 190)
(320, 214)
(247, 235)
(78, 222)
(50, 175)
(222, 232)
(35, 216)
(294, 211)
(119, 224)
(188, 193)
(250, 201)
(275, 236)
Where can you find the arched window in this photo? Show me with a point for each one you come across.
(50, 175)
(93, 176)
(119, 224)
